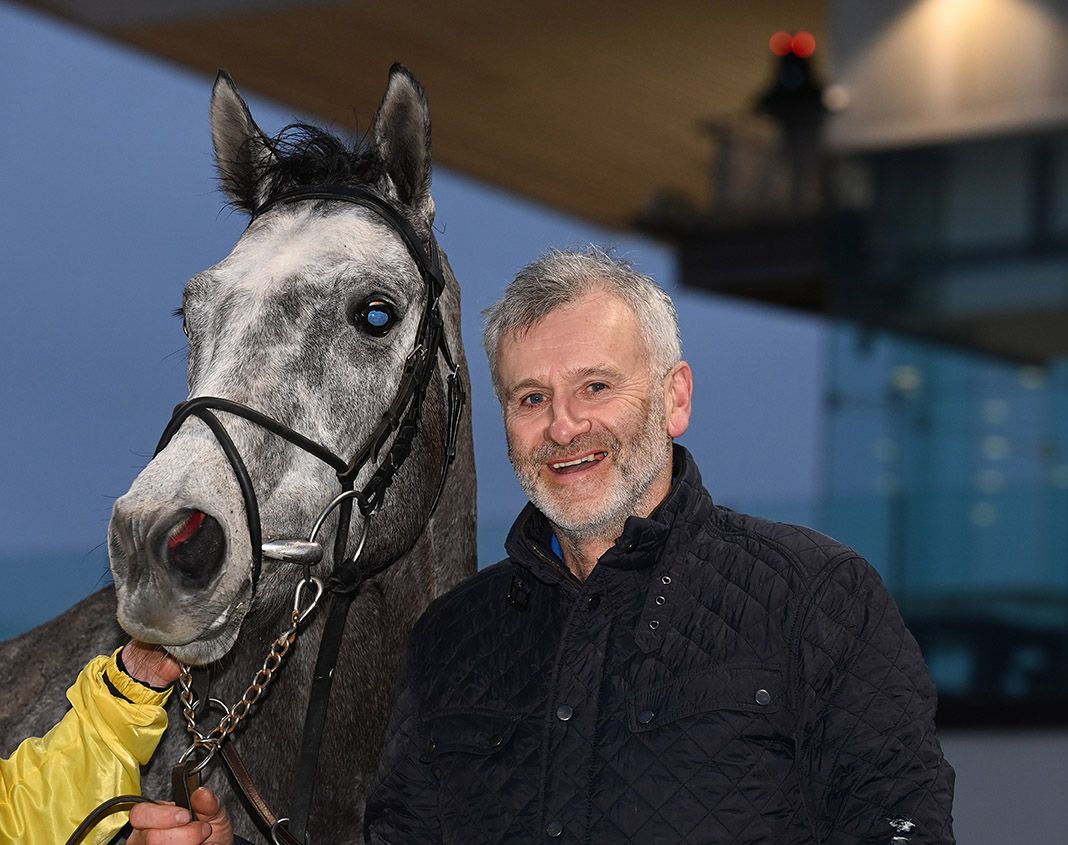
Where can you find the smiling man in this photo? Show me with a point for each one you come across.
(646, 666)
(590, 410)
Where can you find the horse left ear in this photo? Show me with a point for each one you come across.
(242, 150)
(401, 131)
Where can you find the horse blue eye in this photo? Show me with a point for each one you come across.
(375, 316)
(378, 318)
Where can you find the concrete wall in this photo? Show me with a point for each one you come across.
(1012, 786)
(922, 71)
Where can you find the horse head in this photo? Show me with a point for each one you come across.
(315, 323)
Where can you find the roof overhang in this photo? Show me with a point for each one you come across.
(588, 107)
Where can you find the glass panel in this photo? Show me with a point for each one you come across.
(949, 471)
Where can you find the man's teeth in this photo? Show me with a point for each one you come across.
(577, 461)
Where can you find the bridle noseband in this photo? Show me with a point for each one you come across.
(398, 428)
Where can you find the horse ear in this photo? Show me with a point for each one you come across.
(401, 131)
(242, 150)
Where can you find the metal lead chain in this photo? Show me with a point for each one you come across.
(209, 742)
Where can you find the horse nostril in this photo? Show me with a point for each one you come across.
(196, 547)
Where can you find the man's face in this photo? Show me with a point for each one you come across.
(589, 424)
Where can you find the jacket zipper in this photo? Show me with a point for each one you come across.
(573, 584)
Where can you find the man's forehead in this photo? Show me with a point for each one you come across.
(599, 300)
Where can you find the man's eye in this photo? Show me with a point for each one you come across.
(597, 387)
(532, 400)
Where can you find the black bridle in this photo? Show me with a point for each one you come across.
(397, 427)
(400, 421)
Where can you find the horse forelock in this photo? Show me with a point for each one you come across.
(305, 156)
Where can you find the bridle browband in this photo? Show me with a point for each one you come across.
(399, 424)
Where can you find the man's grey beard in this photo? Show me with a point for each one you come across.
(644, 461)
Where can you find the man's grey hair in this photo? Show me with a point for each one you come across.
(560, 278)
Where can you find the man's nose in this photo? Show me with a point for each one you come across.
(568, 422)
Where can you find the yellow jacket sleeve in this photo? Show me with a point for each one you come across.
(94, 753)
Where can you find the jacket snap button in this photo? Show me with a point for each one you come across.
(496, 740)
(654, 624)
(430, 747)
(666, 579)
(660, 599)
(762, 696)
(554, 829)
(593, 601)
(645, 717)
(565, 712)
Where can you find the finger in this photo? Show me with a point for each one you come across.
(194, 833)
(205, 804)
(209, 808)
(167, 668)
(148, 816)
(150, 664)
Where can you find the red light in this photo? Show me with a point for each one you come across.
(781, 43)
(803, 44)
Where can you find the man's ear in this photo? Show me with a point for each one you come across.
(678, 392)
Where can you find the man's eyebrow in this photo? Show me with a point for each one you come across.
(596, 371)
(579, 374)
(520, 386)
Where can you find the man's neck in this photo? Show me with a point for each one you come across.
(581, 554)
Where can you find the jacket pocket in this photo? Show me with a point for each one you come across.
(749, 688)
(468, 731)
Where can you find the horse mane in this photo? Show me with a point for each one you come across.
(306, 156)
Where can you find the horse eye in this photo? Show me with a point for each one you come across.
(180, 312)
(376, 317)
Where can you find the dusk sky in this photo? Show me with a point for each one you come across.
(109, 206)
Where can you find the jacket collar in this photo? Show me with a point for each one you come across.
(642, 540)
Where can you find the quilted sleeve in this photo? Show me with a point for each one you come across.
(871, 765)
(402, 809)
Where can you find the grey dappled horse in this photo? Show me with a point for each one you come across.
(284, 325)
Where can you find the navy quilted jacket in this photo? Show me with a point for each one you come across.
(717, 679)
